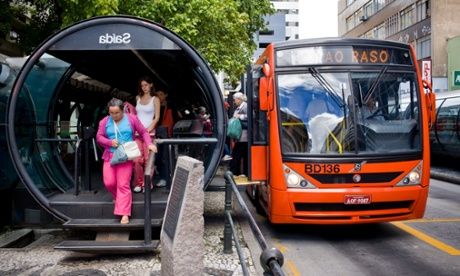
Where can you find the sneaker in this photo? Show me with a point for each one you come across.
(161, 183)
(137, 189)
(227, 158)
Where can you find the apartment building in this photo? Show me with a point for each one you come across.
(430, 26)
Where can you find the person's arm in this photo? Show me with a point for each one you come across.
(156, 116)
(242, 113)
(143, 133)
(101, 134)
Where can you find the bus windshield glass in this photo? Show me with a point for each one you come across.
(370, 112)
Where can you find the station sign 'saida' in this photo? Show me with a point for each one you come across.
(113, 38)
(343, 55)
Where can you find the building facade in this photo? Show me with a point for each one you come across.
(283, 25)
(290, 8)
(275, 31)
(428, 25)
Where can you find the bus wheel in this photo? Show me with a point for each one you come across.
(259, 208)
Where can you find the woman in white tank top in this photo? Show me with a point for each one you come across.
(148, 112)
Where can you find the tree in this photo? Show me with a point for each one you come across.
(222, 31)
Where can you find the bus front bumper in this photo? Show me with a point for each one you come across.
(333, 206)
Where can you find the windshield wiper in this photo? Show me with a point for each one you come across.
(374, 84)
(325, 84)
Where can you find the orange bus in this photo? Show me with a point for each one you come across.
(339, 132)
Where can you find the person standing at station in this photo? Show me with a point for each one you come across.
(165, 130)
(227, 151)
(148, 112)
(117, 177)
(240, 150)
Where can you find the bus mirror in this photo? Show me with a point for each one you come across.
(263, 93)
(430, 98)
(4, 73)
(271, 97)
(266, 69)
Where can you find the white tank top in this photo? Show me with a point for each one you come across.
(146, 112)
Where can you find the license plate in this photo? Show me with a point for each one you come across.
(357, 199)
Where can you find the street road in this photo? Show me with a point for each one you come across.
(429, 246)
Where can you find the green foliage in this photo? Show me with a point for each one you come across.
(222, 31)
(76, 10)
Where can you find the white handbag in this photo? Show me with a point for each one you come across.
(131, 148)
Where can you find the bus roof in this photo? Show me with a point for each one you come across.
(336, 41)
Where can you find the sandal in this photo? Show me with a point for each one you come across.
(124, 220)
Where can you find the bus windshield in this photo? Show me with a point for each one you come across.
(349, 112)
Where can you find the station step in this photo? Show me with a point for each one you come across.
(102, 247)
(109, 224)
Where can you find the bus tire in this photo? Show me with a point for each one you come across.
(257, 204)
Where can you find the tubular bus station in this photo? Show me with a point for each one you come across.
(61, 93)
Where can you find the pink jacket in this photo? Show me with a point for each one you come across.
(106, 143)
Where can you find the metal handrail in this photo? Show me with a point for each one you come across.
(148, 173)
(76, 166)
(170, 142)
(271, 259)
(186, 141)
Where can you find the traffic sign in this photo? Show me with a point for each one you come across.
(456, 78)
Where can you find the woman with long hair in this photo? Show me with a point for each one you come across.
(148, 112)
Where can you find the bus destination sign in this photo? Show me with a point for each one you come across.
(357, 56)
(339, 55)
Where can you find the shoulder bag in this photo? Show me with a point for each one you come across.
(125, 151)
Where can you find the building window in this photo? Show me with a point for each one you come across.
(423, 9)
(282, 11)
(369, 9)
(292, 24)
(369, 34)
(379, 4)
(392, 25)
(358, 14)
(13, 36)
(350, 23)
(379, 31)
(407, 17)
(423, 49)
(349, 2)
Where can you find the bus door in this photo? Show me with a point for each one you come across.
(257, 128)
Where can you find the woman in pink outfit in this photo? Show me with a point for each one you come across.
(117, 178)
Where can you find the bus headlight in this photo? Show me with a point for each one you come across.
(295, 180)
(413, 177)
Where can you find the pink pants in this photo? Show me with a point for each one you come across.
(139, 163)
(117, 180)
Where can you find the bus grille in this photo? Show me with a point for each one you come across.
(359, 207)
(366, 178)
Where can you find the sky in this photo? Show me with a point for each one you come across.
(317, 18)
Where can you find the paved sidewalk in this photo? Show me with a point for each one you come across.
(39, 258)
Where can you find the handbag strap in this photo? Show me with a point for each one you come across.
(116, 130)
